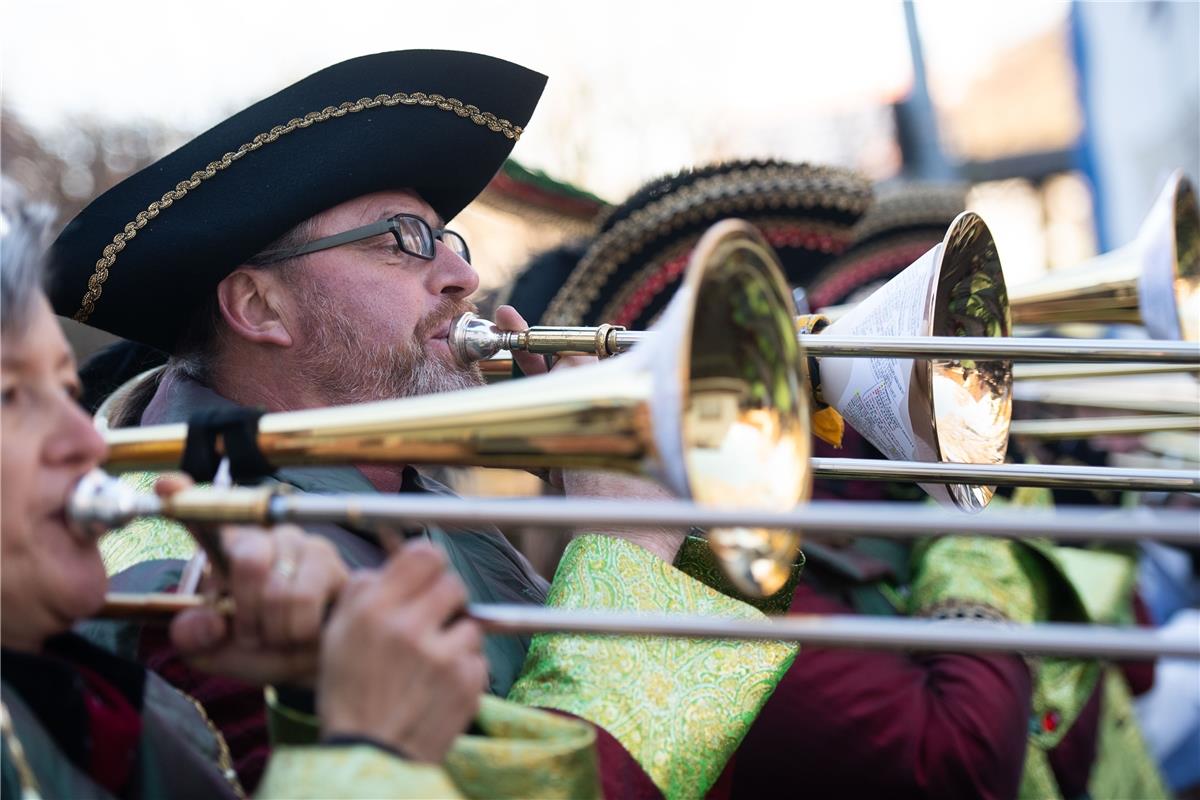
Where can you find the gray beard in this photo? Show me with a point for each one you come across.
(345, 367)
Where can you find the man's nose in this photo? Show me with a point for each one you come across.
(451, 274)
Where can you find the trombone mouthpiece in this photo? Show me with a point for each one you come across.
(100, 502)
(473, 338)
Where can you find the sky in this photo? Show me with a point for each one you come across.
(636, 88)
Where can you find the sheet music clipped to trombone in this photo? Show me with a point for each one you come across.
(875, 391)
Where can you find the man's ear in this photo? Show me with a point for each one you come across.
(251, 304)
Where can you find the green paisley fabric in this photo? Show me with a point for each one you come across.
(696, 559)
(521, 752)
(144, 539)
(1124, 767)
(997, 574)
(524, 753)
(679, 706)
(326, 773)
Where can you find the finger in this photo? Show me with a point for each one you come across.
(198, 630)
(445, 598)
(319, 580)
(172, 482)
(251, 553)
(570, 362)
(409, 572)
(259, 666)
(282, 589)
(507, 319)
(464, 636)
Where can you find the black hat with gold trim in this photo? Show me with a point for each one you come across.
(632, 267)
(152, 248)
(904, 222)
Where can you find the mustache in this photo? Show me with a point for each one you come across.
(448, 308)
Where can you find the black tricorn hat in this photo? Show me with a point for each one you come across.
(145, 253)
(636, 261)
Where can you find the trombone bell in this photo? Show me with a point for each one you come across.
(1153, 281)
(953, 411)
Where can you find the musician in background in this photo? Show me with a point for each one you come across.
(846, 723)
(394, 688)
(297, 255)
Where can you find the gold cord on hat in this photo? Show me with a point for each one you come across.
(108, 255)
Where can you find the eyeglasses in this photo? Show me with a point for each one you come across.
(413, 236)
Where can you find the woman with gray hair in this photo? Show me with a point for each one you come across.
(78, 721)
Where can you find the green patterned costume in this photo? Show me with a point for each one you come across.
(679, 707)
(518, 752)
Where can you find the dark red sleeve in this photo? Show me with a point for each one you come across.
(846, 723)
(237, 709)
(1139, 674)
(620, 775)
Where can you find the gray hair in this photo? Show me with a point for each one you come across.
(24, 229)
(199, 346)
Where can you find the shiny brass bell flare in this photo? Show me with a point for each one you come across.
(1153, 281)
(943, 410)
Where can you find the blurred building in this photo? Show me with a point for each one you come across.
(1066, 136)
(1139, 75)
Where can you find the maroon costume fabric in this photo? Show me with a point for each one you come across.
(847, 723)
(236, 708)
(114, 730)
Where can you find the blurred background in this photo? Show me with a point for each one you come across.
(1064, 117)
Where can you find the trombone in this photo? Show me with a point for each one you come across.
(100, 502)
(1044, 372)
(958, 413)
(1063, 640)
(475, 338)
(715, 409)
(1153, 281)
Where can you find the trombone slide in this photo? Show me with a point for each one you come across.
(847, 631)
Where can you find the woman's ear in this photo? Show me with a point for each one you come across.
(250, 302)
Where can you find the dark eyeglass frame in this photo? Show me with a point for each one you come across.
(390, 225)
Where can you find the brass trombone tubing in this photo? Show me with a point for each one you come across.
(1045, 475)
(100, 506)
(833, 630)
(1104, 397)
(1046, 372)
(1083, 427)
(978, 348)
(983, 348)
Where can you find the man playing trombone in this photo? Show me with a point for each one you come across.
(296, 256)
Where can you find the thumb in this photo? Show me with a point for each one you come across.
(197, 630)
(507, 319)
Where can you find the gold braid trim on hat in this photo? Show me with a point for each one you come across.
(756, 190)
(109, 254)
